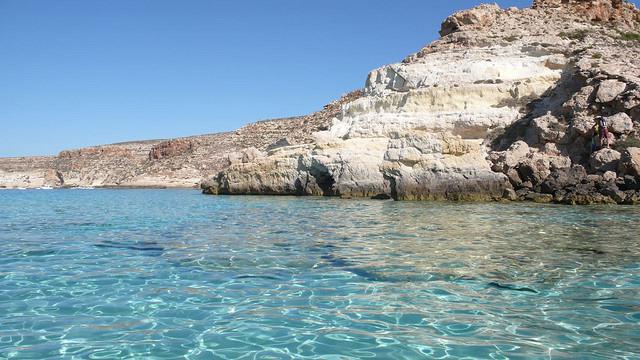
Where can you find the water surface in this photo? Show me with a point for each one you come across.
(103, 274)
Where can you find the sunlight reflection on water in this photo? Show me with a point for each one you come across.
(171, 273)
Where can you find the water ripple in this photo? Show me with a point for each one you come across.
(107, 274)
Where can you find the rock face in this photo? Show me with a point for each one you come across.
(630, 162)
(23, 172)
(170, 148)
(417, 134)
(615, 11)
(602, 80)
(479, 17)
(502, 105)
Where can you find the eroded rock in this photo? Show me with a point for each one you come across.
(608, 90)
(480, 16)
(620, 123)
(562, 178)
(605, 160)
(549, 128)
(630, 162)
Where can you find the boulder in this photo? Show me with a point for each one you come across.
(522, 193)
(514, 178)
(559, 162)
(628, 182)
(551, 149)
(251, 154)
(609, 90)
(477, 17)
(516, 151)
(548, 128)
(609, 176)
(581, 100)
(633, 198)
(245, 156)
(592, 179)
(630, 99)
(508, 159)
(288, 173)
(620, 123)
(605, 160)
(509, 194)
(635, 114)
(585, 194)
(614, 193)
(534, 169)
(562, 178)
(630, 162)
(582, 125)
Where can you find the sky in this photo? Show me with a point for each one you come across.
(75, 73)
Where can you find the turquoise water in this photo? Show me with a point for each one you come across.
(109, 274)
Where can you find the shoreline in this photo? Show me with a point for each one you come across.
(529, 197)
(109, 187)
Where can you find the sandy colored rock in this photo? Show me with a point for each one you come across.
(616, 11)
(630, 162)
(425, 128)
(605, 160)
(609, 176)
(549, 129)
(478, 17)
(620, 123)
(609, 90)
(502, 105)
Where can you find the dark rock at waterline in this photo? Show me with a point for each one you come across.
(539, 198)
(562, 178)
(510, 194)
(630, 162)
(628, 183)
(612, 191)
(632, 197)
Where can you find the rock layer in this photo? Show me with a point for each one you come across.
(502, 106)
(503, 102)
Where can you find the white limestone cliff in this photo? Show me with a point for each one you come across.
(425, 128)
(501, 106)
(418, 133)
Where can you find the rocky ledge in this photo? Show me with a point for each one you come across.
(502, 106)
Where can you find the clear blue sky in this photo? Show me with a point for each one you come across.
(84, 72)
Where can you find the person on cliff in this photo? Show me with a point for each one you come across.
(600, 134)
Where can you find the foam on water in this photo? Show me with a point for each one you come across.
(172, 273)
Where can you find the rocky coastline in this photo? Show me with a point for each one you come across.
(501, 108)
(173, 163)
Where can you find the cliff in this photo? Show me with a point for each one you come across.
(502, 106)
(498, 107)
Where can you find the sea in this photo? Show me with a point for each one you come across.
(174, 274)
